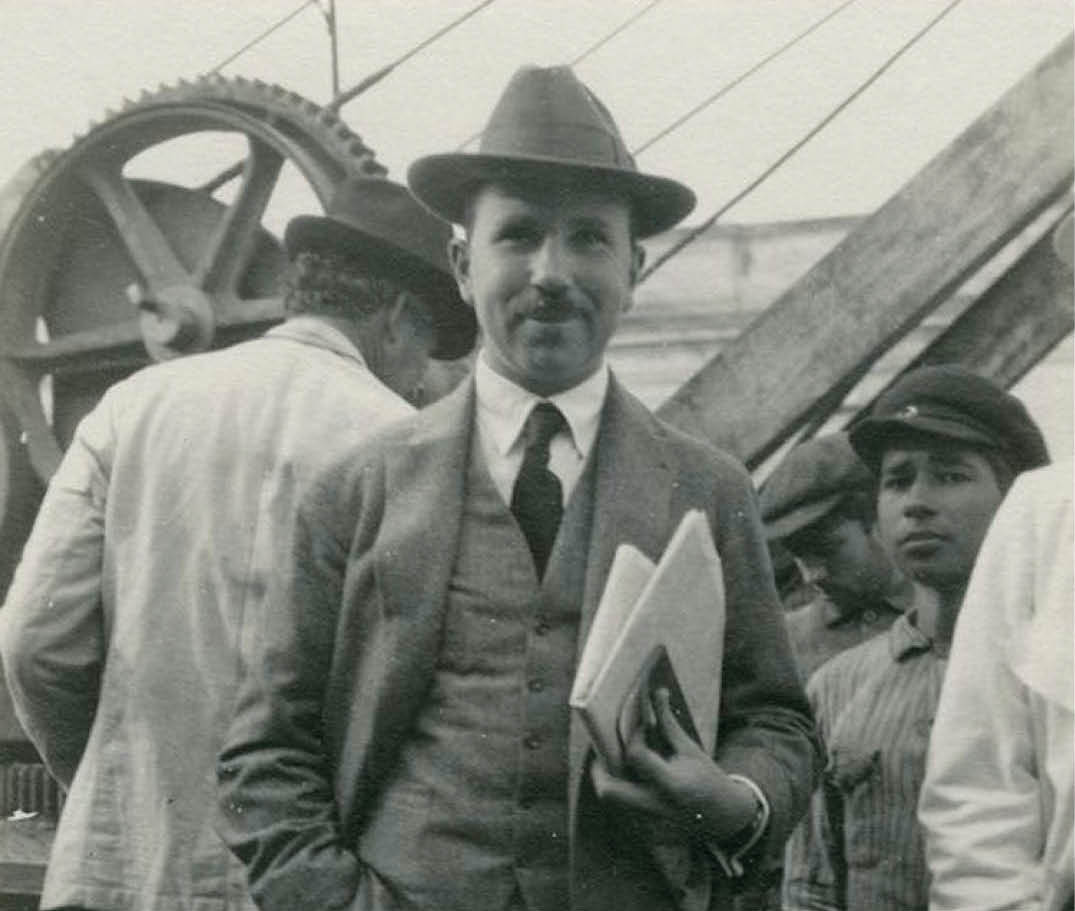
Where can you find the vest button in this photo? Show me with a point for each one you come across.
(536, 686)
(542, 627)
(531, 741)
(526, 803)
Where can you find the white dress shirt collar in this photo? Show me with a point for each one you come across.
(504, 406)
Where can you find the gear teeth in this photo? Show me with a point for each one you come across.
(309, 125)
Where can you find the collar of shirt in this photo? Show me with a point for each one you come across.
(502, 410)
(311, 330)
(833, 616)
(906, 639)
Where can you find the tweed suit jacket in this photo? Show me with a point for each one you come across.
(352, 638)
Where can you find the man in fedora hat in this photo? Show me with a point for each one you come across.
(946, 445)
(405, 740)
(150, 557)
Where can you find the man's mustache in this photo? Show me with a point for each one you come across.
(537, 304)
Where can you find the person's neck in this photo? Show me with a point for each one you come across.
(898, 591)
(936, 611)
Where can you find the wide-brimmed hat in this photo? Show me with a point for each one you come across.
(948, 402)
(380, 225)
(548, 125)
(810, 483)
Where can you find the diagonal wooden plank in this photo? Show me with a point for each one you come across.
(803, 354)
(1018, 320)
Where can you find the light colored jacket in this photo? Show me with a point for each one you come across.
(144, 574)
(997, 802)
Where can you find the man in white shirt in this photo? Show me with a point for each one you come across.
(997, 802)
(152, 552)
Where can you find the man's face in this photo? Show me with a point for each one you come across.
(548, 271)
(934, 507)
(843, 558)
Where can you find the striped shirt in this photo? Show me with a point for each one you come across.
(860, 846)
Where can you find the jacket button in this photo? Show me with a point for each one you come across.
(531, 741)
(536, 686)
(542, 627)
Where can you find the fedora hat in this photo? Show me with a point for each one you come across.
(549, 126)
(377, 223)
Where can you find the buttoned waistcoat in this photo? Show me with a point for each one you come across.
(351, 642)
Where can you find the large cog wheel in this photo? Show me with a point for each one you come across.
(105, 266)
(97, 266)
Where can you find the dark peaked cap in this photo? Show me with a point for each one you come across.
(949, 402)
(377, 223)
(549, 126)
(809, 483)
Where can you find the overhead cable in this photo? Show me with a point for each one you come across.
(623, 26)
(776, 165)
(593, 48)
(746, 74)
(376, 77)
(265, 34)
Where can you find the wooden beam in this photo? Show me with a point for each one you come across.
(1018, 320)
(806, 351)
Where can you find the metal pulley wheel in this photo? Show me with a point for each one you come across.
(107, 263)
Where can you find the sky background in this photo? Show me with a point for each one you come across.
(67, 62)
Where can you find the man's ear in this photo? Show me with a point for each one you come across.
(459, 256)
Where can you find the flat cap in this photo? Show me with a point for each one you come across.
(813, 478)
(950, 403)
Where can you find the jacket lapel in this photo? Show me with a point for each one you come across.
(632, 498)
(631, 505)
(425, 480)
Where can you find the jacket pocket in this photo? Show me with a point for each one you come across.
(854, 779)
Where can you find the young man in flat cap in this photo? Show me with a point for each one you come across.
(151, 554)
(946, 445)
(820, 503)
(405, 740)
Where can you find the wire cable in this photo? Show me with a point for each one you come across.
(623, 26)
(265, 34)
(776, 165)
(593, 48)
(376, 77)
(746, 74)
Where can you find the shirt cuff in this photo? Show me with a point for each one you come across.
(730, 858)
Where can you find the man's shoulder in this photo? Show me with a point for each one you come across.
(693, 454)
(852, 667)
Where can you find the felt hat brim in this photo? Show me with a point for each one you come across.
(801, 516)
(445, 182)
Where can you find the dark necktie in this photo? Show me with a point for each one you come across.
(537, 498)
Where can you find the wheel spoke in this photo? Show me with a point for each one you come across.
(235, 311)
(87, 349)
(21, 395)
(233, 240)
(142, 237)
